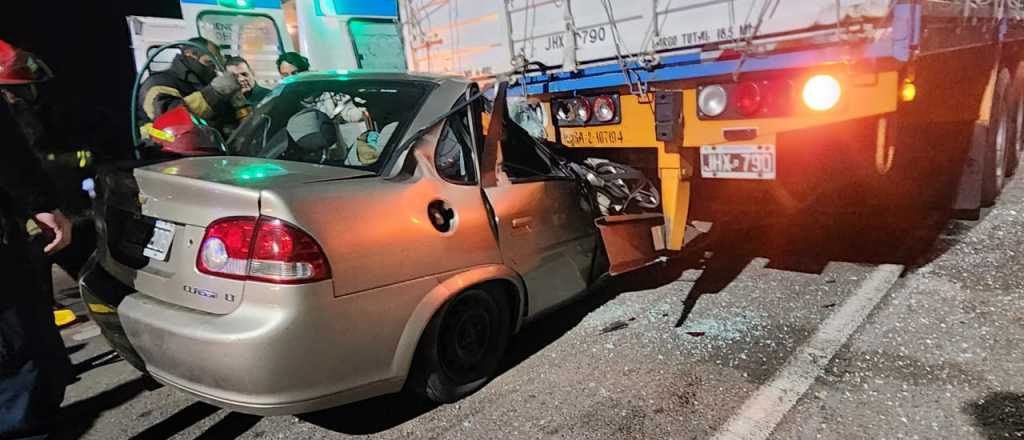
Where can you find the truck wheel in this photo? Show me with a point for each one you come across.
(462, 346)
(1016, 99)
(997, 141)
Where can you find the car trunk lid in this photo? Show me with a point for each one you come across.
(175, 201)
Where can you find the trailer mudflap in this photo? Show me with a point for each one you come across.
(632, 241)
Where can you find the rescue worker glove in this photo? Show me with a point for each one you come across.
(226, 85)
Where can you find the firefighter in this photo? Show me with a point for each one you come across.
(51, 133)
(193, 81)
(34, 366)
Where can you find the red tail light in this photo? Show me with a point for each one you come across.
(265, 249)
(748, 98)
(225, 248)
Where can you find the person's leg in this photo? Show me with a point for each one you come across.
(34, 366)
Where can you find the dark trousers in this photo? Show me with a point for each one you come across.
(34, 365)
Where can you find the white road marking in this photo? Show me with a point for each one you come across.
(765, 409)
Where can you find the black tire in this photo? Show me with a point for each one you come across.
(462, 346)
(997, 141)
(1016, 109)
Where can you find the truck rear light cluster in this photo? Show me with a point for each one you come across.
(587, 110)
(772, 97)
(261, 249)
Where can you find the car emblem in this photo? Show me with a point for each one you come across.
(200, 292)
(208, 294)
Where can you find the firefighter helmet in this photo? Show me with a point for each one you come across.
(21, 67)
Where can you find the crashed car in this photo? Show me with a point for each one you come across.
(360, 234)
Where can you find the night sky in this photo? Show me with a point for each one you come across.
(86, 44)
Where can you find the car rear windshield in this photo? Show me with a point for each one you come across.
(349, 123)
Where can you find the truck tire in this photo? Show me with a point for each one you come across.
(1016, 109)
(997, 141)
(462, 346)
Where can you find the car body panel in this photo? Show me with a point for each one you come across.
(377, 232)
(285, 346)
(545, 236)
(192, 193)
(310, 350)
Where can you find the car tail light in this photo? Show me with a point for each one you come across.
(282, 253)
(604, 109)
(712, 100)
(748, 98)
(225, 248)
(822, 92)
(265, 249)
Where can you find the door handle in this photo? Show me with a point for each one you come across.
(522, 222)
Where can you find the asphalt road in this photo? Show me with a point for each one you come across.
(686, 349)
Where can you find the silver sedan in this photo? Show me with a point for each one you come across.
(361, 235)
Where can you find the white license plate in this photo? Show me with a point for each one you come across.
(163, 234)
(737, 162)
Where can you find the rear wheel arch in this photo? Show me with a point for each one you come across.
(493, 276)
(463, 343)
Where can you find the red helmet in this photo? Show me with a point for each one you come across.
(20, 67)
(177, 131)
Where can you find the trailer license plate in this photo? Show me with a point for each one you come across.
(163, 233)
(738, 162)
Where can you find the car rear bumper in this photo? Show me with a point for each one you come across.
(102, 294)
(284, 350)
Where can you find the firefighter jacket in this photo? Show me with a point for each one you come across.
(186, 83)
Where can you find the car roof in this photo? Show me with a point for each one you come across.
(374, 74)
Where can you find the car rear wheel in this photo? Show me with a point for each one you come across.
(462, 346)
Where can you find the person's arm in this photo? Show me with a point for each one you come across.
(159, 99)
(23, 178)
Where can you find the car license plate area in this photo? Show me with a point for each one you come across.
(160, 241)
(755, 162)
(127, 235)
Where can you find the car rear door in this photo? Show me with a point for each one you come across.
(545, 226)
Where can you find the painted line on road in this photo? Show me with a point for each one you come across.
(764, 410)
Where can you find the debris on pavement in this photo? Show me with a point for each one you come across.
(614, 326)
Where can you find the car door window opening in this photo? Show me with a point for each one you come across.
(453, 156)
(524, 157)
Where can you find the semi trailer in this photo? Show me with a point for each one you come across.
(756, 107)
